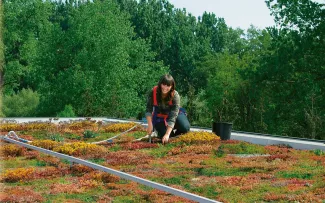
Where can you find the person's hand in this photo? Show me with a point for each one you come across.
(165, 139)
(149, 129)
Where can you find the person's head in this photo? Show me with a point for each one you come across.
(166, 85)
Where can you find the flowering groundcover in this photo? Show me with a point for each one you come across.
(197, 162)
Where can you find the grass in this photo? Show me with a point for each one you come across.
(91, 196)
(161, 151)
(214, 171)
(18, 162)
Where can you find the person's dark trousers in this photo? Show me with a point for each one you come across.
(182, 125)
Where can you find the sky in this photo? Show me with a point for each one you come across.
(237, 13)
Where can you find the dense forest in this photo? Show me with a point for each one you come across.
(101, 57)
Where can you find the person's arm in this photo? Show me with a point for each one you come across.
(150, 127)
(149, 109)
(172, 117)
(167, 134)
(174, 109)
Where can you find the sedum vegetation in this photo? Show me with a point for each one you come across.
(197, 162)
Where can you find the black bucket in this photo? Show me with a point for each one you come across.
(222, 129)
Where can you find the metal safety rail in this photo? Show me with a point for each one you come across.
(296, 143)
(267, 139)
(127, 176)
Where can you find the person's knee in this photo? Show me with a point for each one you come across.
(183, 125)
(186, 127)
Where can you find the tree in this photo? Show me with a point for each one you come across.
(96, 61)
(294, 75)
(23, 24)
(222, 87)
(2, 58)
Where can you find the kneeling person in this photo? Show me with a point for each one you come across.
(163, 110)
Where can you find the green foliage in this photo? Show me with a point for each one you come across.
(109, 73)
(115, 148)
(209, 191)
(72, 136)
(25, 21)
(102, 57)
(138, 134)
(97, 161)
(295, 174)
(242, 148)
(56, 137)
(220, 151)
(67, 112)
(162, 150)
(89, 134)
(40, 163)
(22, 104)
(2, 58)
(179, 180)
(222, 85)
(220, 172)
(319, 152)
(198, 110)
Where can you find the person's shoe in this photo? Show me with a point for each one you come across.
(154, 134)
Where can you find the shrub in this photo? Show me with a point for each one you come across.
(22, 104)
(67, 112)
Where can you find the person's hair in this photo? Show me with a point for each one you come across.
(166, 80)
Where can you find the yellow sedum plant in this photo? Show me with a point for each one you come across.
(27, 126)
(81, 148)
(6, 127)
(11, 150)
(46, 144)
(118, 127)
(19, 174)
(198, 137)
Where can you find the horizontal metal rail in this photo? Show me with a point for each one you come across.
(149, 183)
